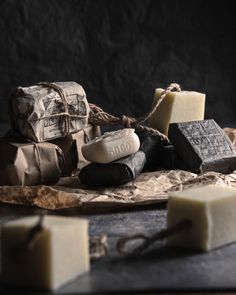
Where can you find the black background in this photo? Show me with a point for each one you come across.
(121, 50)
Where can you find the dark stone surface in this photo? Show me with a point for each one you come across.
(121, 50)
(159, 269)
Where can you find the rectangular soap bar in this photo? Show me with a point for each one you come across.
(114, 173)
(211, 209)
(111, 146)
(177, 107)
(59, 254)
(204, 146)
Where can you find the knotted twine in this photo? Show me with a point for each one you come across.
(98, 246)
(64, 101)
(147, 241)
(99, 117)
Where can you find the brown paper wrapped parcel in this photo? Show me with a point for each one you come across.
(39, 113)
(71, 147)
(27, 163)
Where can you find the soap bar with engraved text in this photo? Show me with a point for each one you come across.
(204, 146)
(111, 146)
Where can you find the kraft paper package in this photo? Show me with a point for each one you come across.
(71, 147)
(46, 111)
(28, 163)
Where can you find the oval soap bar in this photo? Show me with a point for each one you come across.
(111, 146)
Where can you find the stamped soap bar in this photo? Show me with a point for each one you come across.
(204, 146)
(111, 146)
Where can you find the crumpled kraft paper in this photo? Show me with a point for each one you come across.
(71, 147)
(38, 112)
(149, 188)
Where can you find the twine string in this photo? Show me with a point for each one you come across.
(30, 240)
(172, 87)
(147, 241)
(34, 233)
(98, 246)
(98, 117)
(64, 101)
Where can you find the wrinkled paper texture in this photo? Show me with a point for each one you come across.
(28, 163)
(149, 188)
(71, 147)
(34, 110)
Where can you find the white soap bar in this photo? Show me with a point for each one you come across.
(111, 146)
(211, 209)
(177, 107)
(59, 254)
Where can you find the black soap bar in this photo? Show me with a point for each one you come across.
(168, 158)
(159, 155)
(203, 145)
(151, 145)
(114, 173)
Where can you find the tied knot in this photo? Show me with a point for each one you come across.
(128, 122)
(98, 117)
(173, 87)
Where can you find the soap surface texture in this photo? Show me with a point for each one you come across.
(204, 146)
(117, 172)
(211, 209)
(111, 146)
(177, 107)
(58, 254)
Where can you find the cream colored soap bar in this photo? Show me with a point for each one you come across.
(59, 254)
(177, 107)
(211, 209)
(111, 146)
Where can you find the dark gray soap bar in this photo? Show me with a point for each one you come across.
(151, 145)
(203, 145)
(168, 158)
(114, 173)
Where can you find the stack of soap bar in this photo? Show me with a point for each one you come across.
(177, 107)
(204, 146)
(111, 146)
(115, 173)
(211, 209)
(59, 254)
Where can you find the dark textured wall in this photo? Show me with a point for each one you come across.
(121, 50)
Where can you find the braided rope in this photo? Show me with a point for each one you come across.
(98, 117)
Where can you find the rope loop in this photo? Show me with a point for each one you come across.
(98, 117)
